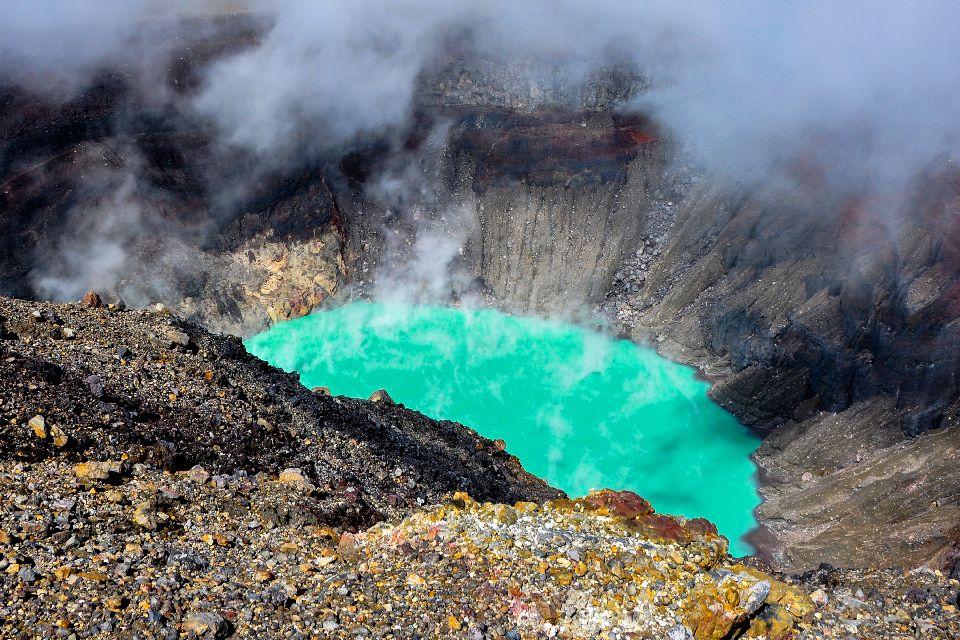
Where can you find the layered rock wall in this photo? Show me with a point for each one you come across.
(835, 333)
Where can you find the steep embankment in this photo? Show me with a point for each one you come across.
(143, 387)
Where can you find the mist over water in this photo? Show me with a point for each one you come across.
(578, 408)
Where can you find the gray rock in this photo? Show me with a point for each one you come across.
(27, 574)
(679, 632)
(95, 384)
(177, 338)
(757, 596)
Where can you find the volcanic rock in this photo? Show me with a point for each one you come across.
(39, 426)
(158, 407)
(92, 300)
(59, 437)
(297, 559)
(381, 395)
(831, 335)
(98, 470)
(207, 624)
(757, 291)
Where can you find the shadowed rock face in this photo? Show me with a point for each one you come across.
(833, 330)
(559, 204)
(826, 321)
(554, 199)
(237, 246)
(835, 307)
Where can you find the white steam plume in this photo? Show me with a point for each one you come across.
(94, 253)
(425, 229)
(53, 46)
(866, 92)
(866, 88)
(325, 72)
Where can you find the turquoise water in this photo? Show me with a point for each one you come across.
(578, 408)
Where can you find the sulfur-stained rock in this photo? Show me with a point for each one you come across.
(712, 613)
(145, 515)
(381, 395)
(63, 572)
(98, 470)
(752, 591)
(116, 604)
(59, 437)
(604, 547)
(773, 622)
(294, 477)
(794, 600)
(39, 426)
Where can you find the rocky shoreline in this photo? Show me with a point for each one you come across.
(127, 509)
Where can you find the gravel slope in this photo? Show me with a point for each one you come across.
(156, 481)
(147, 388)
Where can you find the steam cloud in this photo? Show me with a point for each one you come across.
(93, 254)
(866, 88)
(53, 46)
(867, 91)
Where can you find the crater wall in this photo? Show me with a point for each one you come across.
(826, 323)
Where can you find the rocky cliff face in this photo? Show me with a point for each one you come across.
(115, 190)
(827, 321)
(836, 335)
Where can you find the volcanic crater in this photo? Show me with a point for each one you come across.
(832, 335)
